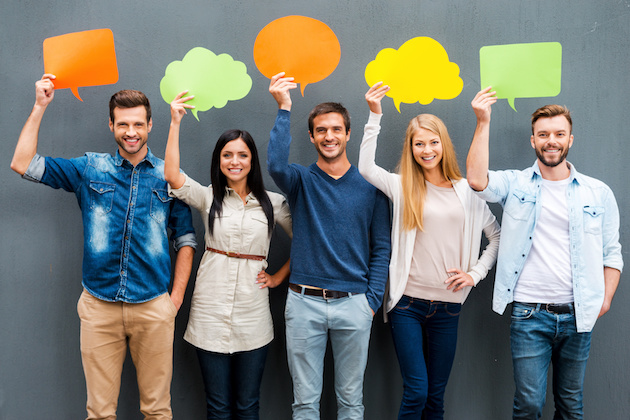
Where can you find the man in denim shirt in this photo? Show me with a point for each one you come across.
(559, 258)
(126, 212)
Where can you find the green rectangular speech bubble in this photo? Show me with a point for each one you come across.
(522, 70)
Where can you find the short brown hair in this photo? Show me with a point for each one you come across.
(129, 99)
(327, 108)
(549, 111)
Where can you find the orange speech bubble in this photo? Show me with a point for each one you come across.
(302, 47)
(85, 58)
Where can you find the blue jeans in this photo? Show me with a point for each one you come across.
(539, 337)
(309, 322)
(232, 382)
(425, 337)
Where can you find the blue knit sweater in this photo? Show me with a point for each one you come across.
(341, 227)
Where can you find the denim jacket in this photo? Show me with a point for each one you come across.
(593, 235)
(126, 211)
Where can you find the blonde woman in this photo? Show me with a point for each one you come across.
(436, 241)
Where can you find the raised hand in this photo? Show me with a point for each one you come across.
(179, 106)
(45, 90)
(374, 96)
(482, 104)
(279, 88)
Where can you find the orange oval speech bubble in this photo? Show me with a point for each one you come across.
(302, 47)
(78, 59)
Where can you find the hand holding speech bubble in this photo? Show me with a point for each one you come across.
(80, 59)
(419, 71)
(522, 70)
(212, 79)
(302, 47)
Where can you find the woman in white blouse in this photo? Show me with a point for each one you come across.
(230, 321)
(436, 240)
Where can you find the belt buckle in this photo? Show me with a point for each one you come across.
(232, 254)
(324, 294)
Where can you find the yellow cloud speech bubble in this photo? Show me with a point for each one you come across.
(419, 71)
(213, 79)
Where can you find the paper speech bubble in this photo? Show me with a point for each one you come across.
(302, 47)
(80, 59)
(522, 70)
(419, 71)
(213, 79)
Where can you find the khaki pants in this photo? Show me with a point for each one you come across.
(106, 328)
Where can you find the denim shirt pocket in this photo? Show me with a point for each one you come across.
(593, 219)
(520, 205)
(101, 196)
(160, 205)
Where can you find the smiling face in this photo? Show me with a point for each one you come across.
(236, 162)
(329, 136)
(131, 131)
(426, 147)
(552, 140)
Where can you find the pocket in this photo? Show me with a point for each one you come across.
(453, 309)
(160, 205)
(521, 312)
(403, 304)
(170, 306)
(520, 205)
(593, 219)
(101, 196)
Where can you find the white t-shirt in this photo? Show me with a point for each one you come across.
(546, 276)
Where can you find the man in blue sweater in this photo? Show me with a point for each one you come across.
(339, 256)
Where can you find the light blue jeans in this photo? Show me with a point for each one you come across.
(539, 337)
(309, 321)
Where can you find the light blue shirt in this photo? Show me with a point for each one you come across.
(593, 236)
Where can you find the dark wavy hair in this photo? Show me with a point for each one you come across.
(254, 178)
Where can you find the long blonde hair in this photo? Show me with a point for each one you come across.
(412, 176)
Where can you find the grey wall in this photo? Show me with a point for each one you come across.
(41, 247)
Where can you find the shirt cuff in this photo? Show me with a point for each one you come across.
(36, 169)
(187, 239)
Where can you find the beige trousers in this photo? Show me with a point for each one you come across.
(106, 328)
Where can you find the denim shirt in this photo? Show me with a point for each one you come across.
(126, 211)
(593, 236)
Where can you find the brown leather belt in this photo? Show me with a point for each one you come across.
(237, 254)
(323, 293)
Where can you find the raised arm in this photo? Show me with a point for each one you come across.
(27, 142)
(478, 154)
(280, 136)
(172, 175)
(375, 175)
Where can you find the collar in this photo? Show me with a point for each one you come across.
(573, 176)
(149, 158)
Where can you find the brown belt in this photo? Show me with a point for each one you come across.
(237, 254)
(324, 293)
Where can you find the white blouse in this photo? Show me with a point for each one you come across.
(229, 312)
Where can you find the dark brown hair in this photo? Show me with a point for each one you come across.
(327, 108)
(129, 99)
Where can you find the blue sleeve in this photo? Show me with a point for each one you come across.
(380, 251)
(278, 153)
(180, 224)
(64, 173)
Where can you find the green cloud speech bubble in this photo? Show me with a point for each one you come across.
(213, 79)
(522, 70)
